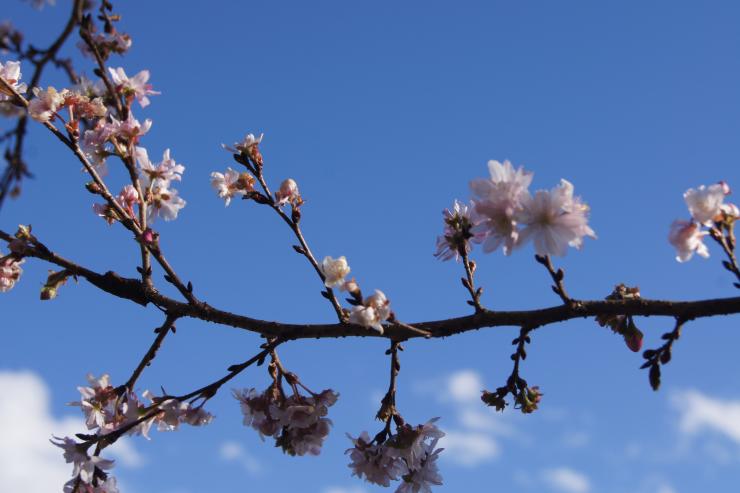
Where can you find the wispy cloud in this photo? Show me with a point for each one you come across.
(566, 480)
(235, 452)
(468, 448)
(699, 412)
(28, 462)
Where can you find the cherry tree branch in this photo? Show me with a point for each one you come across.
(133, 290)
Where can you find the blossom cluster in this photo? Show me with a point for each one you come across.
(298, 423)
(707, 208)
(504, 214)
(410, 456)
(108, 409)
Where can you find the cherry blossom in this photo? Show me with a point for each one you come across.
(10, 272)
(88, 469)
(163, 172)
(705, 203)
(82, 106)
(45, 105)
(334, 270)
(425, 474)
(373, 312)
(688, 239)
(409, 455)
(11, 73)
(288, 193)
(457, 232)
(371, 461)
(129, 129)
(134, 87)
(245, 145)
(298, 423)
(231, 183)
(554, 220)
(497, 201)
(165, 202)
(97, 402)
(93, 145)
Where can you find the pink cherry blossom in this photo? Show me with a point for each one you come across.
(163, 172)
(288, 193)
(129, 129)
(688, 239)
(497, 202)
(457, 234)
(231, 183)
(370, 461)
(10, 272)
(554, 220)
(244, 146)
(134, 87)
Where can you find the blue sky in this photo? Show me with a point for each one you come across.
(383, 112)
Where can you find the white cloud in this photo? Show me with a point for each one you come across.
(235, 452)
(464, 386)
(340, 489)
(481, 418)
(566, 480)
(699, 412)
(28, 462)
(468, 448)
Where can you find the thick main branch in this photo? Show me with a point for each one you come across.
(133, 290)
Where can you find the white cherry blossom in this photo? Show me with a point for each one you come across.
(11, 73)
(705, 203)
(334, 270)
(43, 107)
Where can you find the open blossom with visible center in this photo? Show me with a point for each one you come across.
(11, 73)
(334, 270)
(46, 103)
(164, 202)
(165, 171)
(245, 145)
(231, 183)
(554, 220)
(134, 87)
(706, 203)
(10, 272)
(497, 201)
(374, 310)
(97, 402)
(688, 239)
(457, 233)
(129, 129)
(288, 193)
